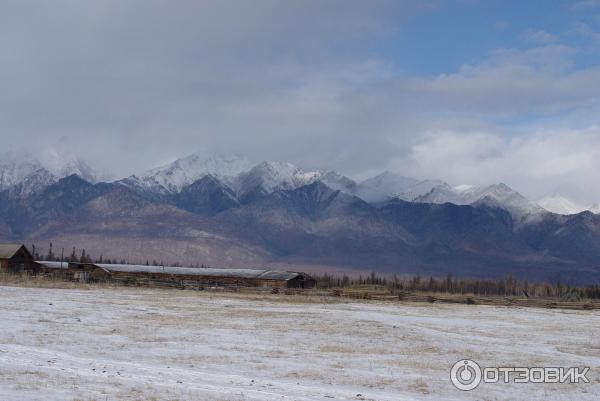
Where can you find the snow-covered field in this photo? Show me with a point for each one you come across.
(143, 344)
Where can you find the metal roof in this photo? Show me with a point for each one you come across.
(198, 271)
(7, 251)
(53, 264)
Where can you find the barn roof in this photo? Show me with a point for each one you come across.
(7, 251)
(53, 264)
(196, 271)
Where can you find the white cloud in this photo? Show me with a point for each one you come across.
(584, 30)
(535, 164)
(538, 36)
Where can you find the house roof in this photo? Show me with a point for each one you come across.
(53, 264)
(7, 251)
(236, 273)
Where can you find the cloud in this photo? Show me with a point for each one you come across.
(136, 84)
(536, 164)
(585, 31)
(586, 4)
(146, 81)
(538, 36)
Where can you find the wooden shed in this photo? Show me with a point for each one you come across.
(15, 258)
(58, 270)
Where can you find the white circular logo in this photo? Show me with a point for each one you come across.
(465, 375)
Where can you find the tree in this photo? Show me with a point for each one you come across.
(50, 255)
(73, 257)
(34, 252)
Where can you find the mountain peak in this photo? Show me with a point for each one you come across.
(269, 176)
(388, 185)
(340, 182)
(34, 169)
(559, 204)
(172, 177)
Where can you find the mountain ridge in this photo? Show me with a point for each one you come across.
(311, 225)
(276, 214)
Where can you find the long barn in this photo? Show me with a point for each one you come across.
(183, 277)
(209, 277)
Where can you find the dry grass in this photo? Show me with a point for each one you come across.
(29, 281)
(358, 294)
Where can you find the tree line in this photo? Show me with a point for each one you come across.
(81, 256)
(508, 286)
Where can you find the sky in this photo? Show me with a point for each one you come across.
(468, 91)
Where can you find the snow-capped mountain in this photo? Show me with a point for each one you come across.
(502, 196)
(267, 177)
(250, 182)
(339, 182)
(174, 176)
(240, 174)
(28, 171)
(389, 185)
(560, 205)
(444, 193)
(62, 163)
(497, 195)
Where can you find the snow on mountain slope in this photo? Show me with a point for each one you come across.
(389, 185)
(270, 176)
(172, 177)
(497, 195)
(443, 193)
(33, 170)
(560, 205)
(238, 173)
(62, 163)
(13, 171)
(338, 182)
(501, 195)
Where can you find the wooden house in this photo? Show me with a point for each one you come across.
(16, 258)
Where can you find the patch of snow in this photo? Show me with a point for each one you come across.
(463, 187)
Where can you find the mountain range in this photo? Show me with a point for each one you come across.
(229, 211)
